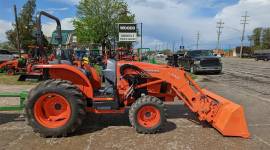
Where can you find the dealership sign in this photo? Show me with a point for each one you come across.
(127, 32)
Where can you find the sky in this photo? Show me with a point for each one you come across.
(165, 21)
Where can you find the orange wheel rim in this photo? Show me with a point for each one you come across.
(52, 110)
(148, 116)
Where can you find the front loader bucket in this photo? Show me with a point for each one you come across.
(230, 118)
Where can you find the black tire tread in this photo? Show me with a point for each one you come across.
(73, 91)
(147, 100)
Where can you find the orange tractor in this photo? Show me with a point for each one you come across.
(57, 106)
(125, 54)
(11, 67)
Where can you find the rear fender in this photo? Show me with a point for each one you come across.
(69, 73)
(95, 77)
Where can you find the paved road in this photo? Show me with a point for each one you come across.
(182, 130)
(248, 74)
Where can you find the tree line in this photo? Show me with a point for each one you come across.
(261, 38)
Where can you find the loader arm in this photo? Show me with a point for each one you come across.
(224, 115)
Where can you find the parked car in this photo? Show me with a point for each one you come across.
(5, 55)
(264, 57)
(201, 61)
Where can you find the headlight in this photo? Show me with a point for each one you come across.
(197, 62)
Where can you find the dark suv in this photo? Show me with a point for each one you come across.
(201, 61)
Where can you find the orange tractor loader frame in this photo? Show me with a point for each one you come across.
(141, 86)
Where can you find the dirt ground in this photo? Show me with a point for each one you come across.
(242, 81)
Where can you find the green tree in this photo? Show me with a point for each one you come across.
(97, 20)
(266, 38)
(5, 45)
(26, 26)
(256, 37)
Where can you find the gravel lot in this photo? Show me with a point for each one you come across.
(244, 81)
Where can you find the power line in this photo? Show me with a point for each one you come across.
(244, 21)
(219, 27)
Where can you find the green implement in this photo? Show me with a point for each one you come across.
(22, 96)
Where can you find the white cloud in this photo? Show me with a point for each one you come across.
(172, 21)
(49, 27)
(4, 26)
(165, 21)
(257, 10)
(71, 2)
(174, 18)
(53, 10)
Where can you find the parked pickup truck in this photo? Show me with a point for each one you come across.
(5, 55)
(197, 61)
(264, 57)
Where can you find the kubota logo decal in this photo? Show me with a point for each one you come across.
(152, 71)
(174, 76)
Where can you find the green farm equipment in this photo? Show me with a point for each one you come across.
(22, 96)
(144, 55)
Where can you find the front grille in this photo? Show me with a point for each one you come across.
(210, 62)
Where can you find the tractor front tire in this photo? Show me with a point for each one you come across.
(55, 108)
(147, 115)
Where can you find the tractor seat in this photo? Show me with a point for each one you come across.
(86, 73)
(60, 62)
(110, 72)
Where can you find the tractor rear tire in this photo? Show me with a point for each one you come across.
(147, 115)
(11, 72)
(55, 108)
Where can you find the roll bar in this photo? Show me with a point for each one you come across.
(39, 31)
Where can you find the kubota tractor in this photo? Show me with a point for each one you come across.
(57, 106)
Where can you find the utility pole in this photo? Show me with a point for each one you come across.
(173, 46)
(17, 31)
(182, 47)
(219, 27)
(198, 38)
(182, 41)
(261, 39)
(141, 36)
(250, 39)
(244, 21)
